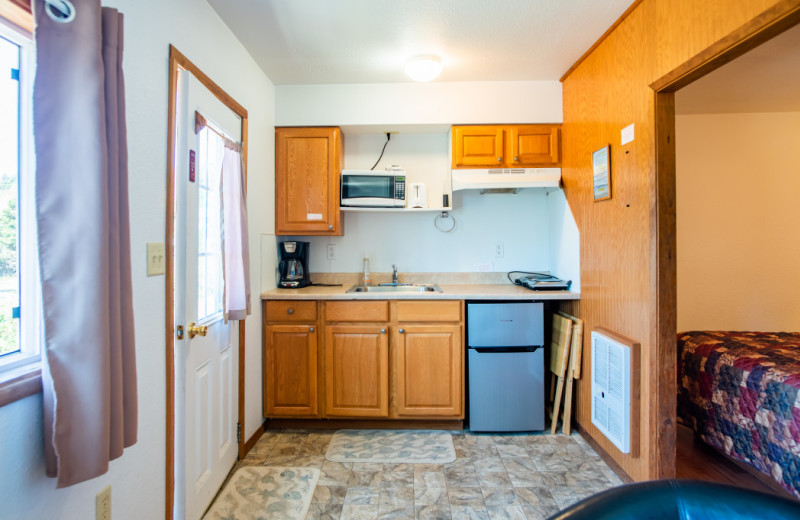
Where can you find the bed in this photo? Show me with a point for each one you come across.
(739, 392)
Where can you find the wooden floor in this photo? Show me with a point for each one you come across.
(696, 460)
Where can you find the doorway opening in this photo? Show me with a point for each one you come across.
(683, 154)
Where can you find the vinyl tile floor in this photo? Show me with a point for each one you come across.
(495, 476)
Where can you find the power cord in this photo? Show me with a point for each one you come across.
(388, 137)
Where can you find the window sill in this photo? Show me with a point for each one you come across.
(19, 383)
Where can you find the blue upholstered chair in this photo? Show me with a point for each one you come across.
(681, 499)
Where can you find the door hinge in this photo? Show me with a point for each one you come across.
(239, 433)
(179, 332)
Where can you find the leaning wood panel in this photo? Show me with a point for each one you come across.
(623, 288)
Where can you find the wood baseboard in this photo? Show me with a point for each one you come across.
(603, 455)
(346, 424)
(248, 445)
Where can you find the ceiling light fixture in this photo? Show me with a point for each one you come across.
(424, 68)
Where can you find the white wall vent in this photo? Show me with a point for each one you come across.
(614, 389)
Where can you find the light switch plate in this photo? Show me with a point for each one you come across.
(156, 258)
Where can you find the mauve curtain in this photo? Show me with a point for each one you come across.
(89, 365)
(235, 249)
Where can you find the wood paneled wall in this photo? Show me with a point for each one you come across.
(625, 240)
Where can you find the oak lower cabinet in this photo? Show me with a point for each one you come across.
(428, 371)
(290, 359)
(357, 359)
(428, 359)
(380, 359)
(356, 371)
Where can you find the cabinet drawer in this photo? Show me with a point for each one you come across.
(291, 311)
(357, 311)
(429, 311)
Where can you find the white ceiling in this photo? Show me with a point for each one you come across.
(302, 42)
(766, 79)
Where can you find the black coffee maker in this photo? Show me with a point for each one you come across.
(293, 267)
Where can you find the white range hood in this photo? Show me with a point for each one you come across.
(506, 178)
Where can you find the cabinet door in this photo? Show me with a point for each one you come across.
(429, 377)
(290, 371)
(308, 163)
(478, 146)
(356, 371)
(535, 145)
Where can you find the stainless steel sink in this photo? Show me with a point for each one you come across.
(399, 288)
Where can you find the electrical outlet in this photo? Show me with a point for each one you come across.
(498, 250)
(103, 504)
(331, 251)
(156, 258)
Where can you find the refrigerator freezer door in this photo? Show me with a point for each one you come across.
(506, 391)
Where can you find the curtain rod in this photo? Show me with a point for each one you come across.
(61, 11)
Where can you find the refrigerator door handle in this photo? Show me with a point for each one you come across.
(503, 350)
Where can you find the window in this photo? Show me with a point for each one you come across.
(20, 313)
(211, 146)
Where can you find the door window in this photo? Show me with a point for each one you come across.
(211, 146)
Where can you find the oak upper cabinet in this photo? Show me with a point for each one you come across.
(308, 165)
(506, 146)
(357, 359)
(535, 145)
(290, 359)
(478, 146)
(428, 357)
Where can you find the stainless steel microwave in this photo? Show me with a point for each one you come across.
(371, 189)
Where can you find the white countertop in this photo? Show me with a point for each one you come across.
(449, 292)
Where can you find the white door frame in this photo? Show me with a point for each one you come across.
(178, 62)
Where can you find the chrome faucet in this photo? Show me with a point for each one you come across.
(394, 274)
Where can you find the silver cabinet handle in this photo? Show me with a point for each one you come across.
(311, 329)
(401, 331)
(499, 159)
(330, 226)
(383, 331)
(516, 158)
(290, 311)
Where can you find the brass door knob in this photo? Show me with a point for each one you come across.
(197, 330)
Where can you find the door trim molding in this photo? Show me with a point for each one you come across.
(663, 238)
(177, 63)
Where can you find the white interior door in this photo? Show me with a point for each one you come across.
(206, 367)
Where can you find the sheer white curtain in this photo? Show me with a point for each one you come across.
(235, 249)
(89, 365)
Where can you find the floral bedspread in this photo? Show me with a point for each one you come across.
(739, 391)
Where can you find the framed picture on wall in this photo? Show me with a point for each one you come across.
(601, 169)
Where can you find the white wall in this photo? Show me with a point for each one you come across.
(738, 221)
(436, 103)
(411, 241)
(564, 257)
(138, 478)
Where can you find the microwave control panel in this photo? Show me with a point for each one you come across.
(400, 188)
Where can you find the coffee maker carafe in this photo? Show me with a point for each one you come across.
(293, 266)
